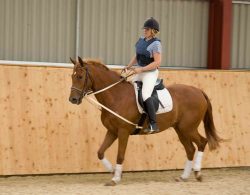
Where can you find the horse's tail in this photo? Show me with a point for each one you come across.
(210, 130)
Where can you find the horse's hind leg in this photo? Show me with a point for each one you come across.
(201, 143)
(190, 150)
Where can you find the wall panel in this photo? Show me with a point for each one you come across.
(41, 132)
(109, 29)
(33, 30)
(240, 57)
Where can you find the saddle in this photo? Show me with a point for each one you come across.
(161, 98)
(158, 86)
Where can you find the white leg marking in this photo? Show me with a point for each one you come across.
(187, 170)
(197, 161)
(107, 164)
(118, 173)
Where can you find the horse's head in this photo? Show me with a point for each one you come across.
(81, 82)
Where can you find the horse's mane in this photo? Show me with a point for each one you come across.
(96, 62)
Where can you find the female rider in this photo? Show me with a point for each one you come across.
(148, 59)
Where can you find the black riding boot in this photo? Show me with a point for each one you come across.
(150, 109)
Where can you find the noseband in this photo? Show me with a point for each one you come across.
(84, 91)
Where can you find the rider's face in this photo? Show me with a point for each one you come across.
(147, 32)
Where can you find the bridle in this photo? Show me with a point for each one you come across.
(84, 91)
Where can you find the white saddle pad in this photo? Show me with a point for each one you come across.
(165, 98)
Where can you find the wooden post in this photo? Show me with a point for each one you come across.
(219, 37)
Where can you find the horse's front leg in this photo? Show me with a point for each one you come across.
(107, 142)
(123, 135)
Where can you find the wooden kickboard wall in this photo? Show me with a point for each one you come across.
(42, 132)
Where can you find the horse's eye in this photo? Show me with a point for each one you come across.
(79, 77)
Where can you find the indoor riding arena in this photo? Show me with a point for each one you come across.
(50, 146)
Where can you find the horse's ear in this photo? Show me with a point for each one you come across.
(81, 61)
(73, 61)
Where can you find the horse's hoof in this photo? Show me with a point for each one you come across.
(110, 183)
(180, 179)
(198, 176)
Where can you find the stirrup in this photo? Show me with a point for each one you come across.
(148, 131)
(152, 128)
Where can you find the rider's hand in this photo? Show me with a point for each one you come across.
(138, 70)
(125, 69)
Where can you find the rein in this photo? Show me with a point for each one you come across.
(86, 93)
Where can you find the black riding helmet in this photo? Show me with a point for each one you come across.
(151, 23)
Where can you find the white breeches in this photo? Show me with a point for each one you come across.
(148, 79)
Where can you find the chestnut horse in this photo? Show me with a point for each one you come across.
(190, 107)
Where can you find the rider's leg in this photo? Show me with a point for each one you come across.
(149, 79)
(150, 108)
